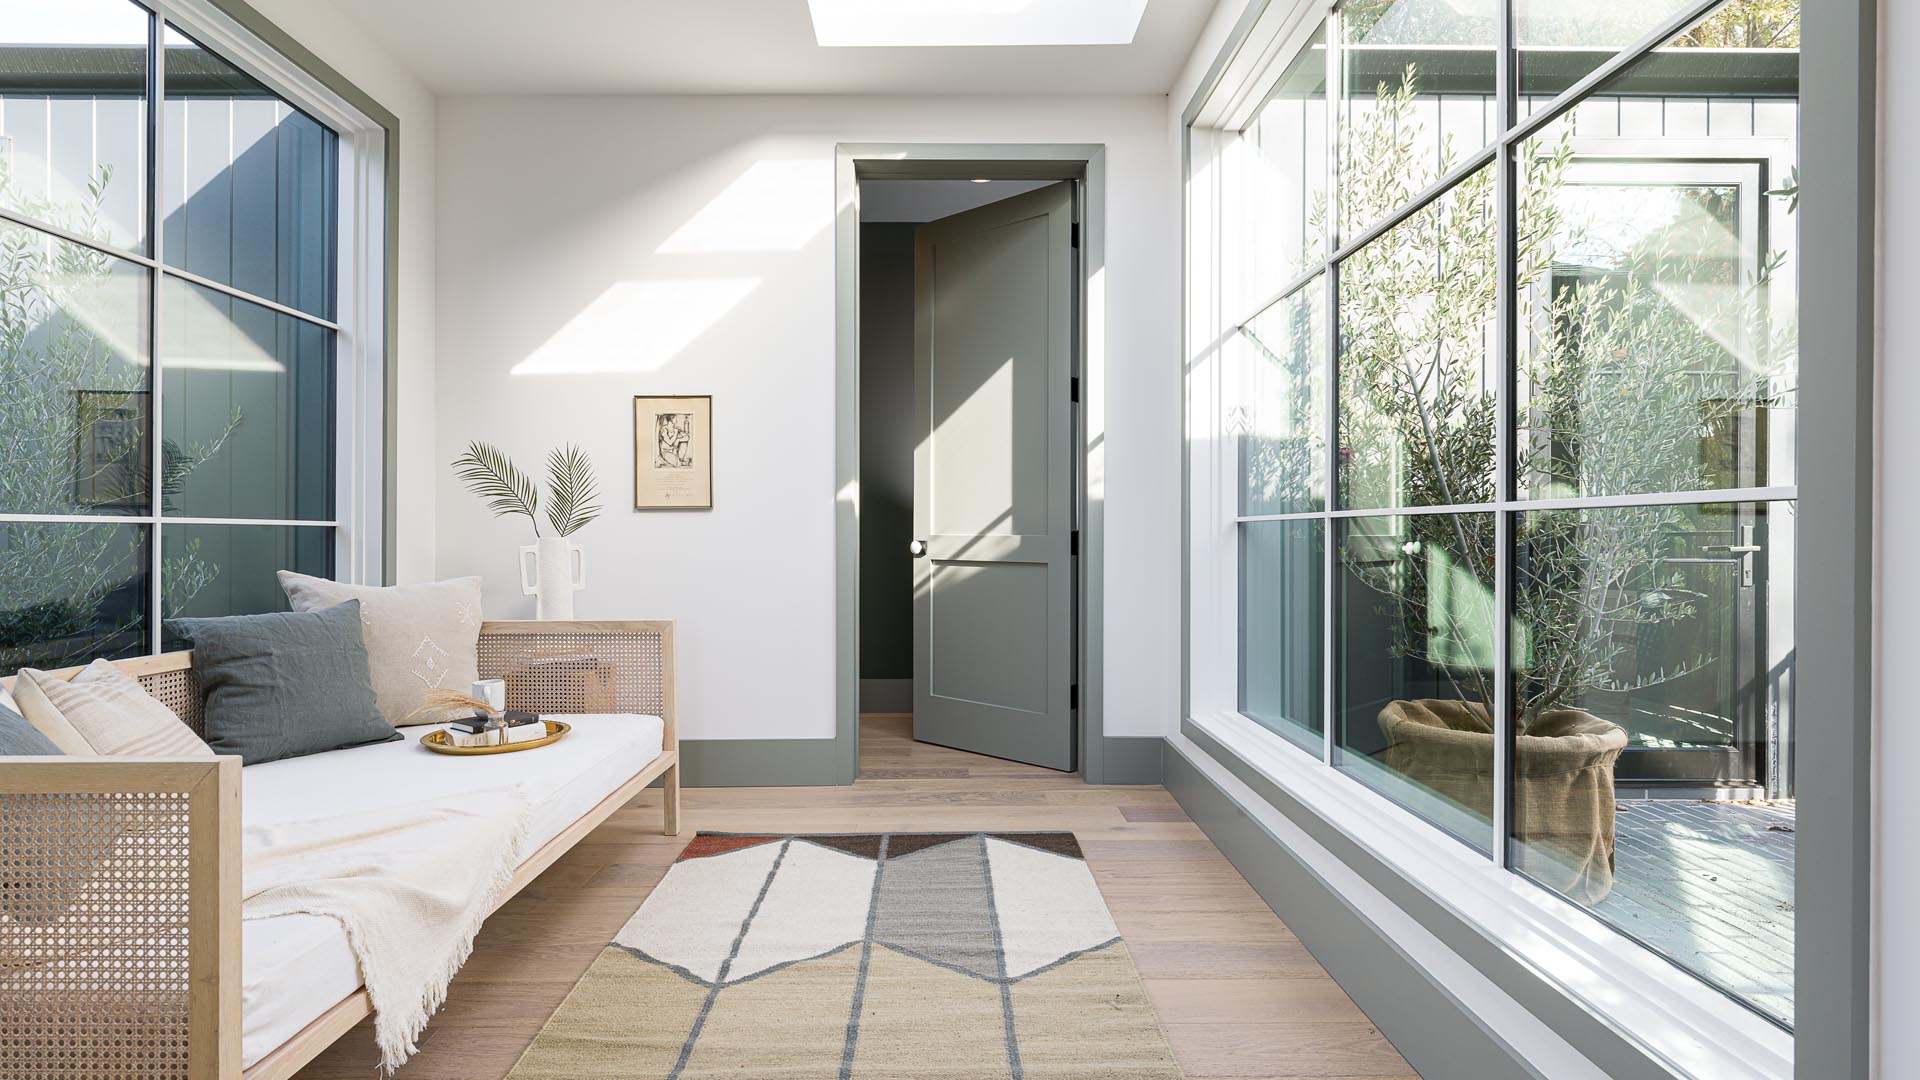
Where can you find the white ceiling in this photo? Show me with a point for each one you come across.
(931, 200)
(740, 47)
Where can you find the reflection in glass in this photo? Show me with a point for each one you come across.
(1415, 618)
(1659, 342)
(73, 126)
(1284, 180)
(249, 197)
(231, 569)
(1417, 99)
(73, 378)
(1282, 571)
(71, 591)
(1654, 653)
(1279, 364)
(1418, 366)
(248, 425)
(1562, 41)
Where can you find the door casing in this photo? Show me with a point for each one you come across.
(1082, 162)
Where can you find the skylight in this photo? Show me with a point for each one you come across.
(911, 23)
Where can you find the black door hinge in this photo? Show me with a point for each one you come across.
(1074, 230)
(1073, 696)
(1073, 389)
(1073, 544)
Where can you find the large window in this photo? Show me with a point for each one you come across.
(1492, 418)
(173, 340)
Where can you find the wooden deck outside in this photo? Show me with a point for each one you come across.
(1238, 995)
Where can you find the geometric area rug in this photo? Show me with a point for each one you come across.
(891, 956)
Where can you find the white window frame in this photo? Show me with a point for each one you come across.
(358, 325)
(1675, 1017)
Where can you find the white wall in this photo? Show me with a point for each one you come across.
(319, 25)
(591, 249)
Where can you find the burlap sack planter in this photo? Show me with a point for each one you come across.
(1563, 782)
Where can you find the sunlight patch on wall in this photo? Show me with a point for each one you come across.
(637, 326)
(776, 205)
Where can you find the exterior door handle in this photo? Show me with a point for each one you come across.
(917, 548)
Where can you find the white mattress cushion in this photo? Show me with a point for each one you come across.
(296, 967)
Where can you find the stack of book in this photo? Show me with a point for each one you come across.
(505, 730)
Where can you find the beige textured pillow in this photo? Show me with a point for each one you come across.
(418, 637)
(107, 712)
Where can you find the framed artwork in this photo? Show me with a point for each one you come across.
(673, 452)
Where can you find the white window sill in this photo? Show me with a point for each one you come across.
(1685, 1024)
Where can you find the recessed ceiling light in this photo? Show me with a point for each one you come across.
(981, 180)
(924, 23)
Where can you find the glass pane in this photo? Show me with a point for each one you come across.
(1418, 363)
(248, 422)
(1278, 415)
(1654, 659)
(1418, 98)
(1415, 615)
(1280, 222)
(231, 569)
(1282, 576)
(73, 116)
(71, 591)
(249, 195)
(73, 378)
(1562, 41)
(1658, 348)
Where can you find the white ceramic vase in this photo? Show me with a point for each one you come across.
(551, 568)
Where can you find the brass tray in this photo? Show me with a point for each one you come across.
(436, 741)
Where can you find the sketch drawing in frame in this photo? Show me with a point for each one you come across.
(673, 452)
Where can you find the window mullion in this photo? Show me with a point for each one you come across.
(1329, 658)
(156, 445)
(1506, 256)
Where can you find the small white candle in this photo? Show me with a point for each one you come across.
(491, 691)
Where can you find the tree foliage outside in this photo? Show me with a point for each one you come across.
(73, 439)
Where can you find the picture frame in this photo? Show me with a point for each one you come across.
(111, 465)
(673, 452)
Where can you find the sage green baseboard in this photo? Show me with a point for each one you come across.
(1437, 1032)
(760, 762)
(1430, 1029)
(886, 695)
(1132, 759)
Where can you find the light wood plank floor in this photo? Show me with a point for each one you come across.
(1238, 995)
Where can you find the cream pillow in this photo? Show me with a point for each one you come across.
(418, 637)
(103, 710)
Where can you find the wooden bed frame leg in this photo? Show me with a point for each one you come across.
(670, 788)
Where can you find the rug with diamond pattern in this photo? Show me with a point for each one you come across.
(895, 956)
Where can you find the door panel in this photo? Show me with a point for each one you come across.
(993, 591)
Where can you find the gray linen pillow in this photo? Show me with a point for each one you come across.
(285, 684)
(17, 737)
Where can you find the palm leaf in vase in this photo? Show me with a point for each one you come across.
(573, 492)
(492, 476)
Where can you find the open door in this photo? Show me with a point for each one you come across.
(993, 667)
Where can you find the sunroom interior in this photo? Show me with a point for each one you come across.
(1474, 468)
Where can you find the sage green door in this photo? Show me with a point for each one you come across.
(993, 500)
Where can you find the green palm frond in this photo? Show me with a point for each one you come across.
(493, 476)
(573, 492)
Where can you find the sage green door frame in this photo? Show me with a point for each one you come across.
(1084, 163)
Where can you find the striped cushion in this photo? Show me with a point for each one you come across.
(107, 709)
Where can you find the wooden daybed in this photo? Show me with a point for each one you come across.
(120, 878)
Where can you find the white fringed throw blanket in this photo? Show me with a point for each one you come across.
(411, 885)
